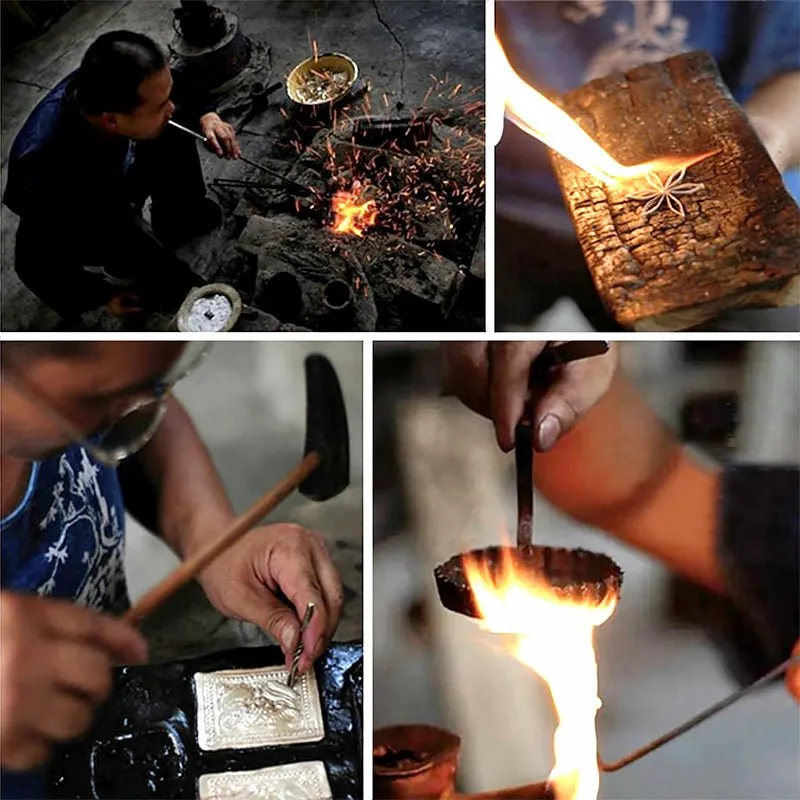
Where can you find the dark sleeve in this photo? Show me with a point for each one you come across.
(191, 95)
(759, 545)
(48, 184)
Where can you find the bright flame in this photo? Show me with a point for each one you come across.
(533, 113)
(554, 638)
(352, 213)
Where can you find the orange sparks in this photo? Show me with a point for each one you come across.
(554, 638)
(353, 213)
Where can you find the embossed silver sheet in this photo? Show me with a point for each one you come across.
(241, 708)
(305, 781)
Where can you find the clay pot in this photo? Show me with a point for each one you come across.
(429, 772)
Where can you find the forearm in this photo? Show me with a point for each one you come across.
(775, 112)
(189, 503)
(621, 469)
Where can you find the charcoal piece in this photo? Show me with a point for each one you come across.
(477, 269)
(143, 744)
(253, 320)
(314, 257)
(575, 575)
(419, 273)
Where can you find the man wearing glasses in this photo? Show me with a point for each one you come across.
(89, 430)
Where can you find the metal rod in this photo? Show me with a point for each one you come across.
(550, 357)
(288, 181)
(241, 183)
(695, 721)
(298, 650)
(197, 136)
(523, 451)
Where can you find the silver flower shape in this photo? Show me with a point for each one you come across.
(668, 191)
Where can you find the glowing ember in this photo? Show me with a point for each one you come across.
(554, 638)
(353, 213)
(533, 113)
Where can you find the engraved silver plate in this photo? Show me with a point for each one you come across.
(306, 781)
(241, 708)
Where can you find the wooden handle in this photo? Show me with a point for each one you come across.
(192, 567)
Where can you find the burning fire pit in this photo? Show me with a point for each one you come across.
(393, 207)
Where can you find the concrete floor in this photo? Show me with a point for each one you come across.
(248, 402)
(398, 45)
(653, 673)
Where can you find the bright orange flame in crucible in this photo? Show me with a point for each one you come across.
(352, 213)
(554, 638)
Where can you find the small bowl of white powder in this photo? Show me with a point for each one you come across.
(214, 308)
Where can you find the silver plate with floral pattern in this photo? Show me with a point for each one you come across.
(240, 708)
(306, 781)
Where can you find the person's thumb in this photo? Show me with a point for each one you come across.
(773, 139)
(566, 402)
(281, 622)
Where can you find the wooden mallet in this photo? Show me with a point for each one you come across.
(323, 473)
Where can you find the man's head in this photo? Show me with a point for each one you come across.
(88, 384)
(124, 84)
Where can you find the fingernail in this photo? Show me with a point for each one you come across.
(549, 431)
(505, 446)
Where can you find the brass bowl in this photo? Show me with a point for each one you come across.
(336, 62)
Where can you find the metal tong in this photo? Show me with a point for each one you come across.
(296, 187)
(613, 766)
(552, 356)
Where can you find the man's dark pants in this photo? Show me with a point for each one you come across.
(51, 254)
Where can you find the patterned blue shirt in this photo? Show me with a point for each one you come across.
(66, 539)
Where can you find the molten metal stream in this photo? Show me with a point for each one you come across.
(554, 638)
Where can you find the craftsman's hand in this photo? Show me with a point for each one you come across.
(793, 675)
(492, 379)
(55, 667)
(124, 304)
(221, 136)
(775, 140)
(774, 112)
(269, 577)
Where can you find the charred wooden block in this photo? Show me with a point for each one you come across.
(739, 244)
